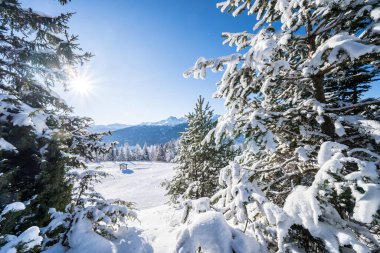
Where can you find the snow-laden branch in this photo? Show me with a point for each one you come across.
(200, 66)
(355, 106)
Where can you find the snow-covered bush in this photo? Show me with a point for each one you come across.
(28, 241)
(309, 165)
(207, 231)
(89, 214)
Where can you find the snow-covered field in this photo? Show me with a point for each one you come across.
(141, 184)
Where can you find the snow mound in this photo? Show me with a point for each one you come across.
(210, 232)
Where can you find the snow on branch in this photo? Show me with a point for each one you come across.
(4, 145)
(354, 106)
(336, 48)
(199, 68)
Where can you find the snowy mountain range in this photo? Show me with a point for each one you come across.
(170, 121)
(151, 133)
(105, 128)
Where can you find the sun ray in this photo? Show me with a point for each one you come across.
(81, 84)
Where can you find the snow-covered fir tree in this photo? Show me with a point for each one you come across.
(40, 141)
(160, 152)
(308, 178)
(199, 162)
(145, 153)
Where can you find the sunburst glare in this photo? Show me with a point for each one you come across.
(81, 84)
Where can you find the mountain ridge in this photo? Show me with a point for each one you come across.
(170, 121)
(150, 133)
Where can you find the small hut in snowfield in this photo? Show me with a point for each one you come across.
(123, 166)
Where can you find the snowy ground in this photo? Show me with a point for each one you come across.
(141, 184)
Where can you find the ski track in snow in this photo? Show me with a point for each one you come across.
(141, 184)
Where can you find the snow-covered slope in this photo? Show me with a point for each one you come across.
(141, 184)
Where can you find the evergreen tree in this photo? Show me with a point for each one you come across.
(34, 50)
(311, 144)
(199, 161)
(40, 141)
(170, 150)
(145, 153)
(137, 153)
(161, 153)
(127, 151)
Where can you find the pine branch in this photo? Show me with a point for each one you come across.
(352, 107)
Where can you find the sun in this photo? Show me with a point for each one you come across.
(81, 84)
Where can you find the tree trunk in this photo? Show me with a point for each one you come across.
(327, 126)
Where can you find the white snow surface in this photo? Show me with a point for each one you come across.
(140, 183)
(4, 145)
(158, 223)
(210, 231)
(13, 207)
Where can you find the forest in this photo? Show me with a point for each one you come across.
(292, 165)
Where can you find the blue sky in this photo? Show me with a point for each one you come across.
(141, 49)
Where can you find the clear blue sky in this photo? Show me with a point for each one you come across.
(141, 49)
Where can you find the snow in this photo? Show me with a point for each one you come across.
(4, 145)
(367, 203)
(29, 239)
(339, 129)
(129, 240)
(336, 45)
(302, 153)
(170, 121)
(158, 223)
(13, 207)
(372, 127)
(375, 13)
(303, 207)
(142, 186)
(210, 231)
(327, 151)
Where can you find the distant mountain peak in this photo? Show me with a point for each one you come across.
(108, 127)
(170, 121)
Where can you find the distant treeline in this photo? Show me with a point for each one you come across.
(160, 152)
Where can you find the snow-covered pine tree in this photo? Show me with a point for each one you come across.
(199, 162)
(161, 153)
(308, 178)
(137, 153)
(126, 152)
(145, 153)
(40, 141)
(35, 49)
(171, 150)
